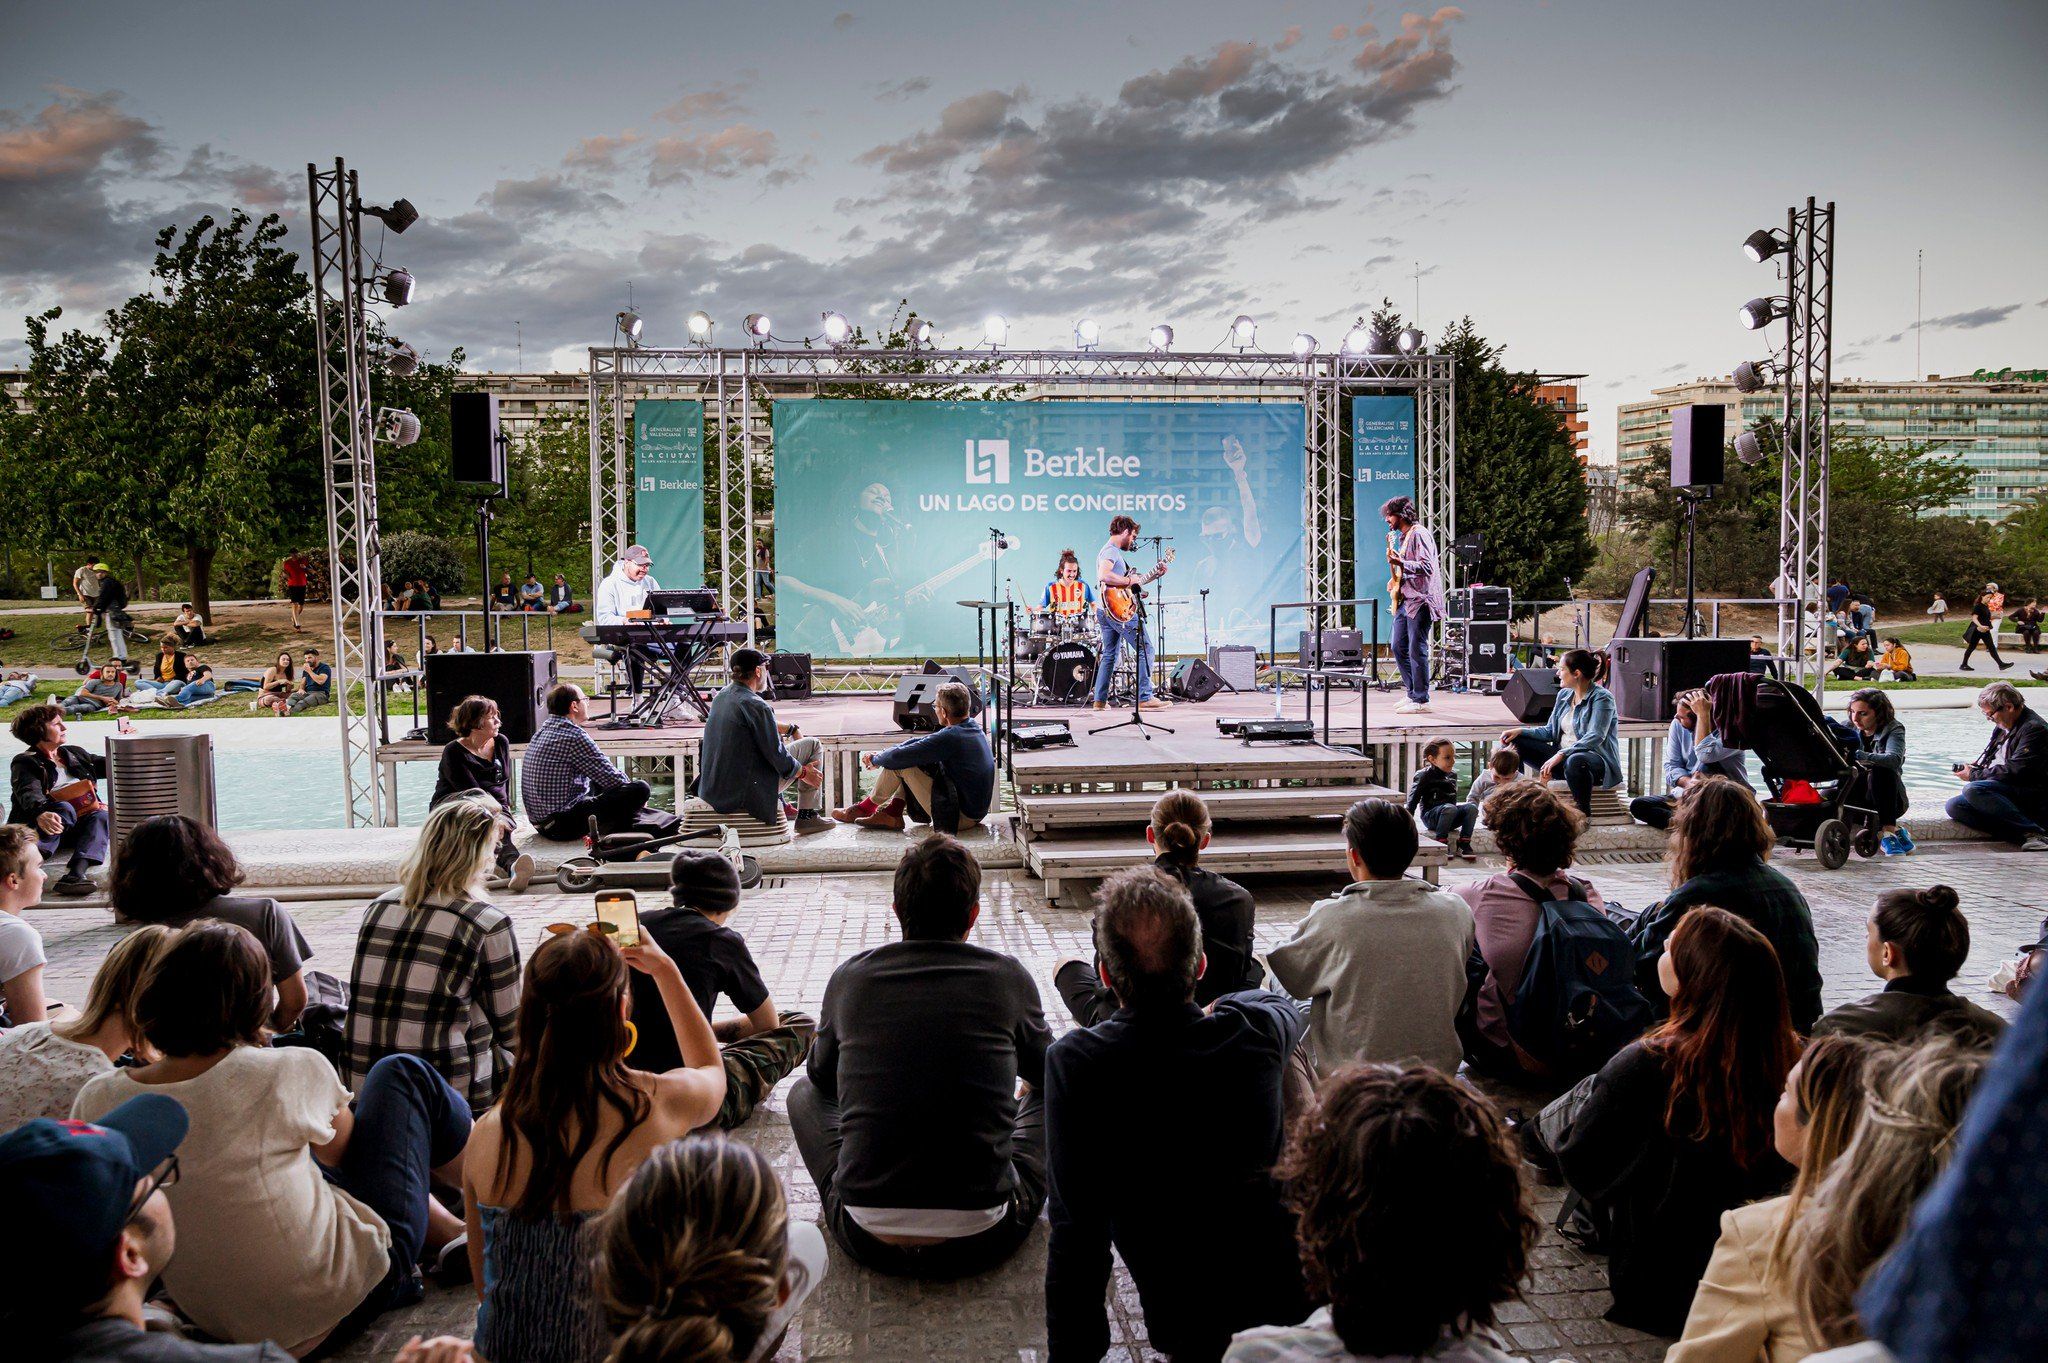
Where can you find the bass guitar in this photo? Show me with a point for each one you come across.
(1121, 603)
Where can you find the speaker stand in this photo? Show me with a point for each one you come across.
(483, 554)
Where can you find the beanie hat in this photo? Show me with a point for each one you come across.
(704, 881)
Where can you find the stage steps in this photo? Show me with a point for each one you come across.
(1049, 812)
(1131, 764)
(1069, 865)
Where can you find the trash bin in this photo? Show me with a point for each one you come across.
(148, 776)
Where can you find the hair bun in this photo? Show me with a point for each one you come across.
(1939, 897)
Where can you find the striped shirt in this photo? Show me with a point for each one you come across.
(439, 982)
(563, 767)
(1068, 598)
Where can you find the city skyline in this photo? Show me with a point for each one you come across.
(1577, 177)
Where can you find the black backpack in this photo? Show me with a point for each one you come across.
(1577, 1003)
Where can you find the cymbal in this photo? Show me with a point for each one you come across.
(982, 605)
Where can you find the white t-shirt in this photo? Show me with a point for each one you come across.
(267, 1248)
(1315, 1341)
(41, 1073)
(21, 950)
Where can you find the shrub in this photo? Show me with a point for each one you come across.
(316, 575)
(411, 554)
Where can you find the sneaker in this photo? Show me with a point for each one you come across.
(1465, 850)
(1965, 667)
(76, 886)
(522, 874)
(809, 821)
(2004, 666)
(1099, 704)
(1889, 845)
(2037, 843)
(1905, 842)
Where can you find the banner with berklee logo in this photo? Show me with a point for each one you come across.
(884, 508)
(668, 487)
(1382, 468)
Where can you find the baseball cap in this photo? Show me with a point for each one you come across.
(637, 553)
(67, 1187)
(704, 880)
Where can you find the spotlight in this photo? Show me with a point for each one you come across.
(1304, 345)
(396, 426)
(1761, 312)
(1358, 340)
(402, 361)
(1087, 335)
(700, 327)
(837, 328)
(1409, 341)
(995, 329)
(395, 287)
(398, 217)
(628, 324)
(1762, 244)
(1244, 332)
(756, 325)
(1749, 449)
(1161, 337)
(920, 332)
(1753, 376)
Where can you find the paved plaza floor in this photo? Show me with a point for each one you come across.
(801, 927)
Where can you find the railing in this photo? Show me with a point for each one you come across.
(1707, 611)
(462, 617)
(1364, 674)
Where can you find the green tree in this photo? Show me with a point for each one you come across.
(545, 522)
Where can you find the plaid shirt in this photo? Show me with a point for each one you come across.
(563, 766)
(438, 983)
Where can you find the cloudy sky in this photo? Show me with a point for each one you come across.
(1575, 174)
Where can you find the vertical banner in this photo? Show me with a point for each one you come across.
(1382, 467)
(668, 487)
(884, 511)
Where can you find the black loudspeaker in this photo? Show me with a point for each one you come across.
(789, 676)
(1530, 693)
(1486, 649)
(1194, 680)
(1697, 433)
(1341, 648)
(916, 703)
(519, 682)
(1647, 675)
(476, 456)
(964, 675)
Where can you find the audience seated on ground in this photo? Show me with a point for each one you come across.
(698, 1257)
(54, 789)
(1580, 743)
(479, 757)
(1677, 1128)
(565, 779)
(1917, 943)
(17, 686)
(1338, 958)
(436, 972)
(169, 670)
(1915, 1097)
(908, 1115)
(572, 1125)
(43, 1065)
(2005, 791)
(1412, 1221)
(102, 689)
(1743, 1309)
(190, 629)
(316, 684)
(1879, 749)
(1433, 798)
(1897, 660)
(1178, 832)
(1692, 751)
(946, 779)
(1162, 1123)
(21, 946)
(1720, 847)
(174, 871)
(758, 1048)
(1502, 767)
(744, 764)
(300, 1215)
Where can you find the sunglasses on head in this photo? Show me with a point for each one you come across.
(166, 1174)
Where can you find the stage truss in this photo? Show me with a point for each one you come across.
(738, 386)
(1808, 411)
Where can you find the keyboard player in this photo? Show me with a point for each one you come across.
(623, 591)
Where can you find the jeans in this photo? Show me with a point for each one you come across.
(196, 691)
(1580, 769)
(86, 837)
(190, 635)
(10, 692)
(806, 750)
(1114, 637)
(1446, 817)
(814, 1121)
(1988, 807)
(1411, 651)
(615, 809)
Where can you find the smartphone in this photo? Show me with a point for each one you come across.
(618, 916)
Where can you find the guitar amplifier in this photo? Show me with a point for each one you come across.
(1341, 648)
(1237, 664)
(789, 676)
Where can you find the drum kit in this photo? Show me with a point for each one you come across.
(1061, 648)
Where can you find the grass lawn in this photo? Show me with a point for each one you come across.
(1949, 632)
(231, 707)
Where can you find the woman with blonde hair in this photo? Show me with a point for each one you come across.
(1743, 1310)
(1720, 854)
(43, 1065)
(436, 970)
(698, 1262)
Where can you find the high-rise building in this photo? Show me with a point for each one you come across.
(1561, 391)
(1993, 422)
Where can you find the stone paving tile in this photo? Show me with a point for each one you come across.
(802, 927)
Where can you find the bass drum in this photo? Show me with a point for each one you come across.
(1068, 672)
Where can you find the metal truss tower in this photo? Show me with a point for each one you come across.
(1804, 431)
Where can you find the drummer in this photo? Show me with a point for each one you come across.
(1067, 596)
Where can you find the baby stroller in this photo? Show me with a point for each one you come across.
(635, 859)
(1811, 780)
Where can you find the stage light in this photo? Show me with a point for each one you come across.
(1087, 335)
(628, 325)
(700, 327)
(1409, 341)
(398, 217)
(836, 328)
(919, 330)
(1762, 244)
(995, 329)
(1753, 376)
(402, 361)
(1161, 337)
(756, 325)
(395, 287)
(1749, 449)
(396, 426)
(1304, 345)
(1761, 312)
(1358, 340)
(1244, 332)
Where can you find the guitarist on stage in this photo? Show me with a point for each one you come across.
(1120, 613)
(1418, 593)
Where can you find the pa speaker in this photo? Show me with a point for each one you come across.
(789, 676)
(1194, 680)
(916, 703)
(1531, 693)
(476, 456)
(519, 682)
(1648, 675)
(1698, 431)
(964, 675)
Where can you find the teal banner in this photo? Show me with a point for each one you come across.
(1382, 468)
(668, 487)
(883, 513)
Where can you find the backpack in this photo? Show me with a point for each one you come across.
(1577, 1003)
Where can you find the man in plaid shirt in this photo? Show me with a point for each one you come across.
(566, 778)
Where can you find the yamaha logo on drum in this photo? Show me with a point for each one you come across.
(988, 461)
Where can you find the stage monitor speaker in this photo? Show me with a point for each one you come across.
(1486, 649)
(1236, 664)
(1698, 433)
(1531, 693)
(1194, 680)
(476, 455)
(789, 676)
(1648, 675)
(1341, 648)
(519, 682)
(916, 703)
(964, 675)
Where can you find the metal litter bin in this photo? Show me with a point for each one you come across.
(148, 776)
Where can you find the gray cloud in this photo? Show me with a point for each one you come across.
(1969, 320)
(894, 90)
(844, 20)
(547, 196)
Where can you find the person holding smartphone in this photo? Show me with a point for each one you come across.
(2005, 791)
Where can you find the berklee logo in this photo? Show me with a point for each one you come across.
(988, 461)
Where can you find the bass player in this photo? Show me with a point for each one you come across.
(1418, 585)
(1120, 614)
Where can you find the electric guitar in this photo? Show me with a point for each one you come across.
(1394, 580)
(1121, 603)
